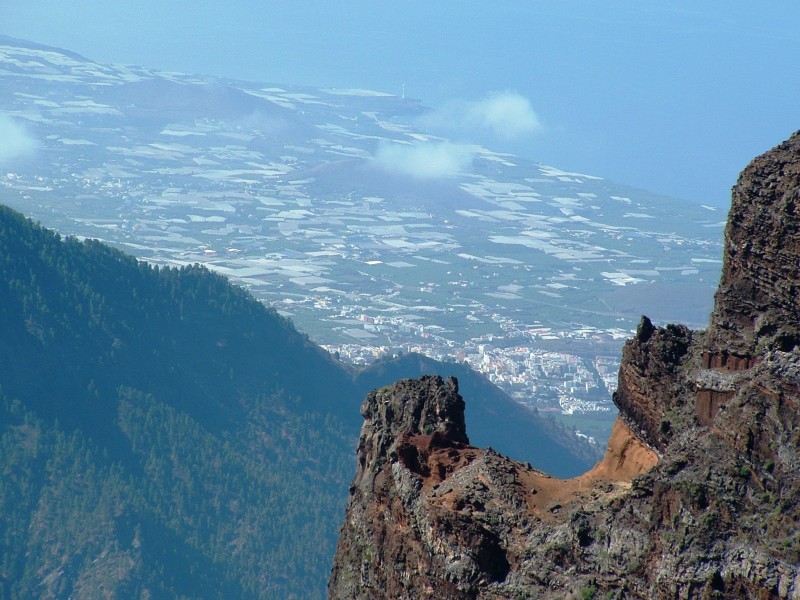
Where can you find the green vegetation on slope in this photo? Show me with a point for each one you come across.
(162, 432)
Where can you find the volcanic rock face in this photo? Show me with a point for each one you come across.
(758, 297)
(697, 497)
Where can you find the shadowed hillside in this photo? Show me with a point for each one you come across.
(162, 431)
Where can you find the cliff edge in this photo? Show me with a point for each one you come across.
(695, 498)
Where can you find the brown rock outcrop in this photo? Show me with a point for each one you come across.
(649, 384)
(432, 517)
(756, 303)
(697, 496)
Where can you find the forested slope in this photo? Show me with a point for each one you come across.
(162, 432)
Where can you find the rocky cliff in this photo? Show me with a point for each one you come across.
(697, 496)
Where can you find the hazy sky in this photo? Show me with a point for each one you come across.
(675, 97)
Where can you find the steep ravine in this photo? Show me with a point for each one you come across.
(697, 496)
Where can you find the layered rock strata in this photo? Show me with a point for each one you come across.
(697, 496)
(757, 300)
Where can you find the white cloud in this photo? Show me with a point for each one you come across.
(14, 140)
(424, 160)
(507, 114)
